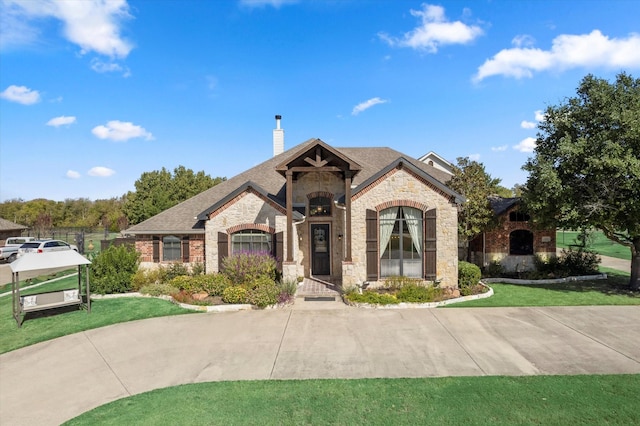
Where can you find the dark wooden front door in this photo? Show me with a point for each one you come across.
(320, 250)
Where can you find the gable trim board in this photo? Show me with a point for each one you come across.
(272, 197)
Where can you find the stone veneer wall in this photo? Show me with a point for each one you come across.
(247, 208)
(400, 184)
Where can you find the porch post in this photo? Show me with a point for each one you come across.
(289, 175)
(347, 204)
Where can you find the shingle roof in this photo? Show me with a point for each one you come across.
(7, 225)
(183, 218)
(501, 205)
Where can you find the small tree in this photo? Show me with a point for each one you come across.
(475, 216)
(585, 171)
(113, 269)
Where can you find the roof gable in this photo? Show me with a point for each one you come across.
(403, 163)
(318, 156)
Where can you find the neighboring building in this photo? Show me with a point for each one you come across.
(9, 229)
(345, 215)
(434, 160)
(513, 242)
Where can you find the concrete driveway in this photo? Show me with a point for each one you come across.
(54, 381)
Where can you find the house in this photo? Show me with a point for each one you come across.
(9, 229)
(434, 160)
(513, 242)
(344, 215)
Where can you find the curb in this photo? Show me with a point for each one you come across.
(199, 308)
(553, 281)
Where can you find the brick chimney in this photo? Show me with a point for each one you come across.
(278, 137)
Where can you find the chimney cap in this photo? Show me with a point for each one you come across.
(278, 117)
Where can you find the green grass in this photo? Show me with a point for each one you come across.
(46, 325)
(5, 288)
(612, 291)
(599, 243)
(552, 400)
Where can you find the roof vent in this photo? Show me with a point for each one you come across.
(278, 137)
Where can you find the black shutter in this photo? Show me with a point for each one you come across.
(185, 249)
(430, 272)
(279, 246)
(223, 248)
(372, 245)
(156, 249)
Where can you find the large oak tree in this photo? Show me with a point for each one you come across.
(585, 171)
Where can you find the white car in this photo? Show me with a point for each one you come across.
(45, 246)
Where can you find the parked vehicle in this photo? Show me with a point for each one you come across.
(45, 246)
(9, 252)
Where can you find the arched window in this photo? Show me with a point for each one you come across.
(401, 242)
(521, 242)
(251, 241)
(170, 248)
(320, 206)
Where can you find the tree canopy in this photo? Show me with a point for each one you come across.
(159, 190)
(585, 171)
(471, 180)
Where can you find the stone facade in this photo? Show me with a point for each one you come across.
(400, 187)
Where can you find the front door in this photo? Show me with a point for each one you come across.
(320, 250)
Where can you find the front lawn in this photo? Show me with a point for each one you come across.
(612, 291)
(46, 325)
(546, 400)
(599, 244)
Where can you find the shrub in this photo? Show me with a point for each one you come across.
(580, 262)
(264, 293)
(175, 270)
(145, 277)
(214, 284)
(183, 283)
(244, 268)
(468, 277)
(197, 268)
(414, 293)
(398, 281)
(113, 269)
(373, 297)
(235, 294)
(288, 287)
(159, 289)
(494, 269)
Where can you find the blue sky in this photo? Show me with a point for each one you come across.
(94, 93)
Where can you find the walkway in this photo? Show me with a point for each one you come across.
(54, 381)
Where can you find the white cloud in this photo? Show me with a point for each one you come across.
(474, 157)
(540, 116)
(21, 94)
(523, 40)
(366, 105)
(61, 121)
(526, 145)
(100, 171)
(567, 51)
(94, 25)
(102, 67)
(72, 174)
(121, 131)
(434, 31)
(527, 124)
(499, 148)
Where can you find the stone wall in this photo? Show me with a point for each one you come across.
(401, 185)
(246, 208)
